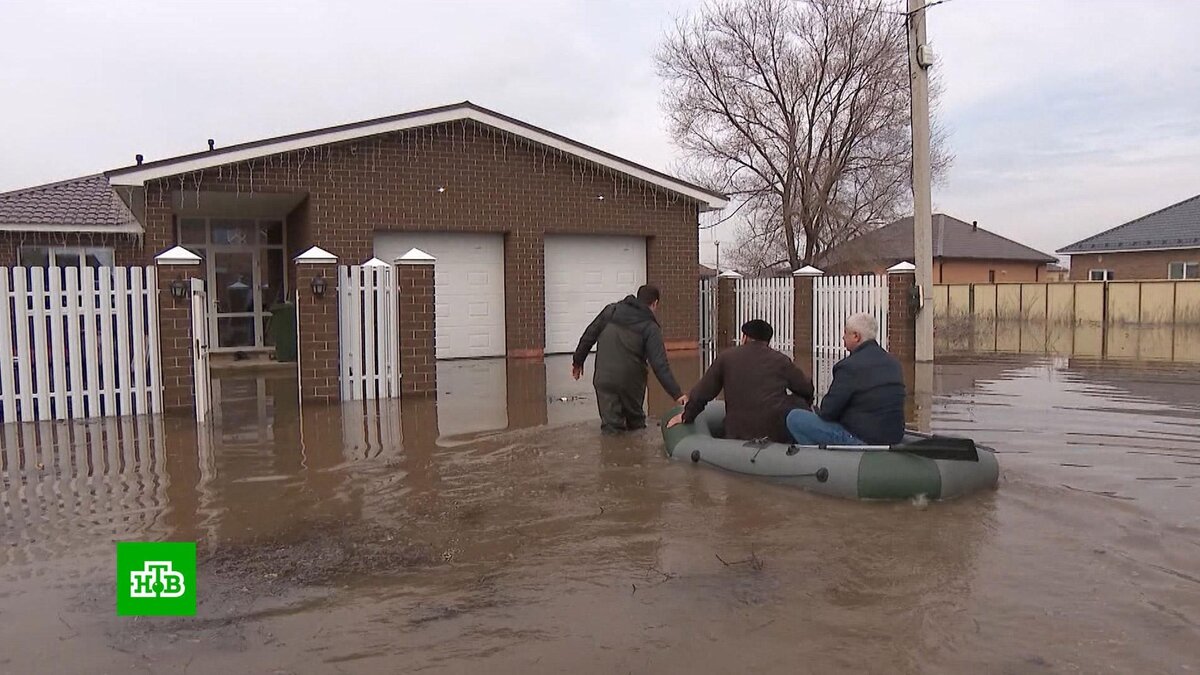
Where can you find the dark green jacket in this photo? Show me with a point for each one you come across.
(627, 336)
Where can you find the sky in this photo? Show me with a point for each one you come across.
(1065, 117)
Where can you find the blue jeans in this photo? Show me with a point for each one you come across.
(809, 429)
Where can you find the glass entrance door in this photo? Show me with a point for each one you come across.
(245, 275)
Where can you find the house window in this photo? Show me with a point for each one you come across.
(1100, 275)
(1182, 270)
(65, 256)
(61, 258)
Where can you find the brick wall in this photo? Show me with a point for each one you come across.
(728, 332)
(318, 336)
(492, 182)
(802, 317)
(902, 318)
(1131, 266)
(418, 359)
(175, 338)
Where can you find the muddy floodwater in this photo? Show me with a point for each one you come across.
(496, 531)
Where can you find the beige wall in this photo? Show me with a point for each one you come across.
(957, 270)
(977, 271)
(1131, 266)
(1120, 302)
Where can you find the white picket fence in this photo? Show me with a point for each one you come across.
(708, 314)
(835, 299)
(369, 335)
(82, 342)
(769, 299)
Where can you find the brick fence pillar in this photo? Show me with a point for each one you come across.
(803, 330)
(317, 326)
(727, 328)
(176, 268)
(902, 312)
(418, 346)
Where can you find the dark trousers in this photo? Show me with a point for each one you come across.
(621, 406)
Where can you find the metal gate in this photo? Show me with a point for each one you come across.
(769, 299)
(200, 372)
(835, 299)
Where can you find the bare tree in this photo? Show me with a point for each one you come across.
(800, 108)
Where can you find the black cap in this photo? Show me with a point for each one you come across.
(757, 329)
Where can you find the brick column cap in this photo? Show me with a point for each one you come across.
(807, 271)
(177, 255)
(729, 274)
(316, 254)
(416, 256)
(902, 268)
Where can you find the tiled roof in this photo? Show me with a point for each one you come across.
(952, 238)
(83, 204)
(1177, 226)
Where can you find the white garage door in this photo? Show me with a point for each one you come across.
(583, 274)
(469, 282)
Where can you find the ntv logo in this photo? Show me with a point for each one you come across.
(156, 580)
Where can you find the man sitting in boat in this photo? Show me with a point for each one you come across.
(865, 401)
(761, 386)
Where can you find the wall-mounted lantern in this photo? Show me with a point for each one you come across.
(319, 285)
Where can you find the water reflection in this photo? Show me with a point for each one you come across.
(398, 536)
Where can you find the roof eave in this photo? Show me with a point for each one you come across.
(1141, 249)
(127, 228)
(138, 175)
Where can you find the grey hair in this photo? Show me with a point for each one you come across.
(864, 324)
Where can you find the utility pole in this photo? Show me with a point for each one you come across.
(919, 59)
(718, 244)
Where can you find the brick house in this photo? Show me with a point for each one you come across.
(1162, 245)
(532, 232)
(962, 253)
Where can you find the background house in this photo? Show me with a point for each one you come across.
(1162, 245)
(962, 253)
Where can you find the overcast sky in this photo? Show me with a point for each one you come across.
(1065, 117)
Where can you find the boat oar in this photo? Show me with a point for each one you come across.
(930, 447)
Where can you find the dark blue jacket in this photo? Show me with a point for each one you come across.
(867, 395)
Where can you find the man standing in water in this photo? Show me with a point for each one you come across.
(626, 335)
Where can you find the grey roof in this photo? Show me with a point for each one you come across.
(1177, 226)
(952, 238)
(81, 204)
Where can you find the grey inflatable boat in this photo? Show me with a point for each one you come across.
(937, 467)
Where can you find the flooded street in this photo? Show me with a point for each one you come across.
(496, 530)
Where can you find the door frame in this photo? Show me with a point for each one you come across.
(207, 252)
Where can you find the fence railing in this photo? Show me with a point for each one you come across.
(80, 342)
(369, 332)
(770, 299)
(708, 314)
(835, 299)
